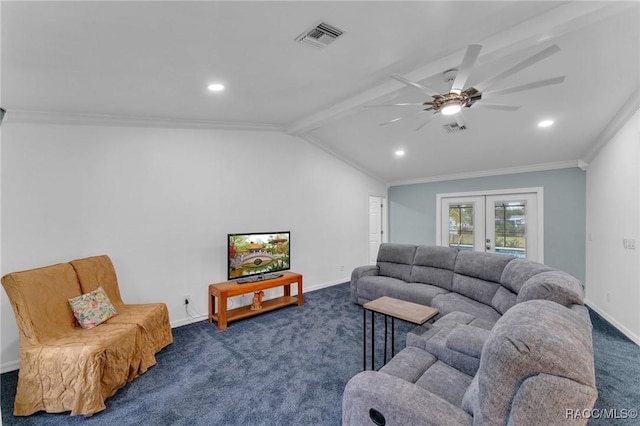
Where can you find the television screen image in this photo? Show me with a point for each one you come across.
(258, 254)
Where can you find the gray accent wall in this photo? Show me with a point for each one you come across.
(412, 211)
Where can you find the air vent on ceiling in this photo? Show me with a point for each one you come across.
(320, 36)
(454, 128)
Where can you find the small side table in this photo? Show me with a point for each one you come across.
(394, 308)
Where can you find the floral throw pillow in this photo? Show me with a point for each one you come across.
(92, 309)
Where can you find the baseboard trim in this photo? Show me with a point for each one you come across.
(10, 366)
(624, 330)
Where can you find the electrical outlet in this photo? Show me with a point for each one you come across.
(187, 297)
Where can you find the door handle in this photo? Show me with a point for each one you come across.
(488, 247)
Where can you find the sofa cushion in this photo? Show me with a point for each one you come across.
(420, 367)
(433, 338)
(42, 297)
(92, 309)
(434, 265)
(442, 278)
(477, 275)
(452, 302)
(485, 266)
(474, 288)
(395, 260)
(445, 381)
(467, 340)
(503, 300)
(436, 257)
(409, 364)
(557, 286)
(371, 288)
(98, 271)
(518, 271)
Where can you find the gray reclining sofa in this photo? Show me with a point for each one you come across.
(511, 345)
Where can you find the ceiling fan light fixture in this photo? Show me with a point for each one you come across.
(451, 108)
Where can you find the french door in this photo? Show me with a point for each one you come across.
(508, 223)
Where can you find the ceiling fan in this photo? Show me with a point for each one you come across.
(458, 97)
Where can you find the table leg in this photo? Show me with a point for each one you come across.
(212, 305)
(393, 337)
(300, 297)
(373, 323)
(364, 339)
(222, 312)
(385, 339)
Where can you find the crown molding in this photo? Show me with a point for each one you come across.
(49, 117)
(495, 172)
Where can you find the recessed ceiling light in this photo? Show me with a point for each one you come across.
(545, 123)
(399, 153)
(216, 87)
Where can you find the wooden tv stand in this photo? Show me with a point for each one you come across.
(227, 289)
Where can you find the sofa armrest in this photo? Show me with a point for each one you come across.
(364, 271)
(359, 272)
(399, 401)
(557, 286)
(468, 340)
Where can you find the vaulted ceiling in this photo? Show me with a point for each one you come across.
(150, 63)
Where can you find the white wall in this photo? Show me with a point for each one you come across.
(160, 202)
(613, 214)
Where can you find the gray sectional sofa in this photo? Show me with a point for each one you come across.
(511, 345)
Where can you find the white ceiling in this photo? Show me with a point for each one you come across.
(151, 62)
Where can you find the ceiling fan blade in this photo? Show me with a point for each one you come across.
(464, 70)
(408, 82)
(529, 86)
(391, 121)
(518, 67)
(391, 105)
(496, 106)
(405, 116)
(425, 122)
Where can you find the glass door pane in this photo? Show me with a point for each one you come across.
(512, 225)
(461, 223)
(510, 233)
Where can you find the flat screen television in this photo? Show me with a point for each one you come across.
(258, 256)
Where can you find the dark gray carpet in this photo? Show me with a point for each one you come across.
(617, 362)
(287, 367)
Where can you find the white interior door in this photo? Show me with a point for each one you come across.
(377, 226)
(502, 223)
